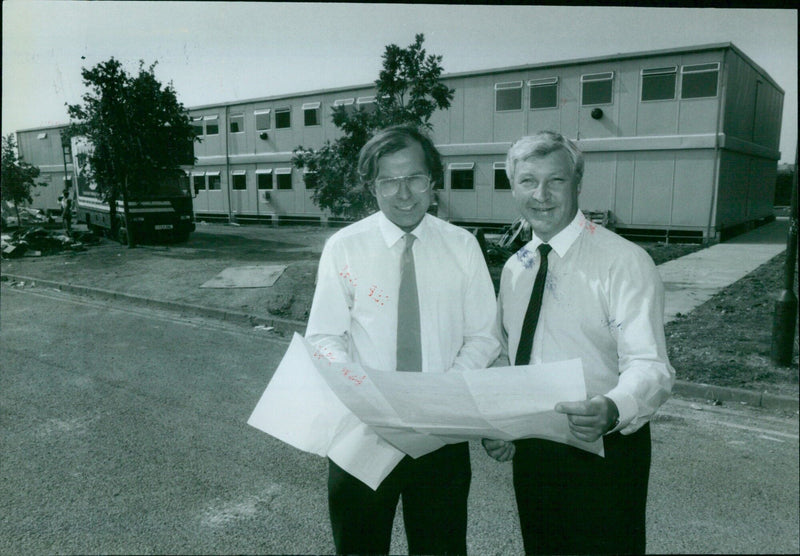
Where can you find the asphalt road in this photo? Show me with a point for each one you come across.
(124, 430)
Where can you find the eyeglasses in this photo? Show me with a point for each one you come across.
(389, 187)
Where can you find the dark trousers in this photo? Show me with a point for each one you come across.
(571, 501)
(434, 488)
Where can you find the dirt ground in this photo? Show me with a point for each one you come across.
(726, 341)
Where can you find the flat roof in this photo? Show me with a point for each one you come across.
(491, 71)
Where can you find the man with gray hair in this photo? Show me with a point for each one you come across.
(402, 290)
(577, 290)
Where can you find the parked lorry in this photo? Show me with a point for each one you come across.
(161, 211)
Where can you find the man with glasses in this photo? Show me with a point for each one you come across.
(402, 290)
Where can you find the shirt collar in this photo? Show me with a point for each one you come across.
(392, 234)
(563, 240)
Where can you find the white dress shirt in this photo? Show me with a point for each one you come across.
(603, 303)
(354, 312)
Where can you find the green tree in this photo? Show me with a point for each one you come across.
(408, 91)
(18, 176)
(139, 134)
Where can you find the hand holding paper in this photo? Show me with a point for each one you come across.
(367, 420)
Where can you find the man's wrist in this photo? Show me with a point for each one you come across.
(613, 411)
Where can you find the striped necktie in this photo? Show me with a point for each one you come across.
(525, 346)
(409, 349)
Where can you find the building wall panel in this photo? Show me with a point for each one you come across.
(693, 189)
(652, 182)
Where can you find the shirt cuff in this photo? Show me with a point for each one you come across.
(627, 407)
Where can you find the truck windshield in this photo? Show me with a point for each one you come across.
(170, 186)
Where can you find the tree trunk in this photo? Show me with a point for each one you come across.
(112, 214)
(126, 215)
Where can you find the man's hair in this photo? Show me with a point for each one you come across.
(542, 144)
(391, 140)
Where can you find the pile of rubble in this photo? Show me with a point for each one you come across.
(38, 242)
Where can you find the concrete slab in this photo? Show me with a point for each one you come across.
(691, 280)
(246, 277)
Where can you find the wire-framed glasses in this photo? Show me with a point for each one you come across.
(388, 187)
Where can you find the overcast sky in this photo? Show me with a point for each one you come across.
(217, 52)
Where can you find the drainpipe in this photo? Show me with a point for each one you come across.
(723, 90)
(231, 218)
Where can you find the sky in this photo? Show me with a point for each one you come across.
(225, 51)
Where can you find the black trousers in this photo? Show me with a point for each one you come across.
(434, 488)
(571, 501)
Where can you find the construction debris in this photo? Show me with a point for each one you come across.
(37, 242)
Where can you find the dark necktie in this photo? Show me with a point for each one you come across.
(525, 346)
(409, 349)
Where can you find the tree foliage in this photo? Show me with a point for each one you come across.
(17, 180)
(140, 134)
(408, 91)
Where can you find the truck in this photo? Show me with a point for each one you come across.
(163, 212)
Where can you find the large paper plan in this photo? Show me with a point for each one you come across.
(367, 420)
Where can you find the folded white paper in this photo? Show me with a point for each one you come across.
(367, 420)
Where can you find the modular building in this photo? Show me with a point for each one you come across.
(678, 143)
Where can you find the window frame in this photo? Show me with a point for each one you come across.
(461, 167)
(203, 180)
(283, 172)
(309, 107)
(716, 69)
(280, 112)
(597, 78)
(210, 118)
(198, 126)
(651, 72)
(216, 178)
(261, 112)
(368, 103)
(234, 175)
(239, 116)
(541, 83)
(500, 167)
(508, 86)
(264, 172)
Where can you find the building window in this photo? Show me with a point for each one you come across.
(284, 178)
(197, 126)
(262, 119)
(283, 118)
(348, 103)
(596, 88)
(198, 183)
(462, 175)
(544, 93)
(237, 123)
(214, 182)
(508, 96)
(212, 126)
(368, 104)
(659, 83)
(239, 180)
(311, 114)
(500, 177)
(42, 135)
(264, 179)
(309, 184)
(699, 81)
